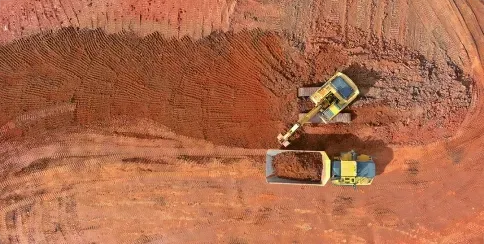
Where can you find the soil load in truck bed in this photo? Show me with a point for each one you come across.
(306, 166)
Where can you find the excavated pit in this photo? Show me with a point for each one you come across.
(88, 178)
(298, 166)
(231, 89)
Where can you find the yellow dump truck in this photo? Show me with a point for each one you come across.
(337, 93)
(350, 169)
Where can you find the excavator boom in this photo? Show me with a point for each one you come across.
(284, 139)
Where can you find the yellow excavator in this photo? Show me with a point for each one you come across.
(337, 93)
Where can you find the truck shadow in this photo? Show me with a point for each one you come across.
(334, 144)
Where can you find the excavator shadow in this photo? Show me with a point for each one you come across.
(334, 144)
(363, 77)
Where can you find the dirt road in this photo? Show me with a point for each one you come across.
(157, 134)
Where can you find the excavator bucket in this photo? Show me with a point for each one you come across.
(273, 178)
(282, 141)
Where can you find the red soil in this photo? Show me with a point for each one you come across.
(216, 88)
(298, 166)
(91, 172)
(230, 89)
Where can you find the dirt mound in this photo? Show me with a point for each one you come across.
(298, 166)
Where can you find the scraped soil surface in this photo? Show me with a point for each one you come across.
(230, 89)
(65, 93)
(298, 166)
(148, 121)
(218, 88)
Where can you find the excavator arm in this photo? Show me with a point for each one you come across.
(284, 139)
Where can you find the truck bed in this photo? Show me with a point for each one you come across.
(272, 178)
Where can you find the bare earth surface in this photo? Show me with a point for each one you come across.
(148, 121)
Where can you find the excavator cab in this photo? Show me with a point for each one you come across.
(336, 95)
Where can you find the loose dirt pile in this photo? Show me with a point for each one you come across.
(298, 166)
(405, 97)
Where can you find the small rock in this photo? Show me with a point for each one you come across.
(416, 91)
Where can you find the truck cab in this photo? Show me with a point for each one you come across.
(352, 169)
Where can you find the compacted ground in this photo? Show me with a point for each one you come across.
(148, 121)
